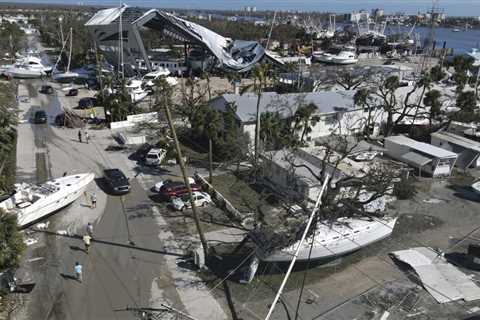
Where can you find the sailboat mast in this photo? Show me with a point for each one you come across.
(300, 244)
(121, 41)
(271, 29)
(70, 52)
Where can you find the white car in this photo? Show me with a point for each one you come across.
(160, 184)
(201, 199)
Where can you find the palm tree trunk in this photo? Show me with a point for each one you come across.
(257, 127)
(210, 160)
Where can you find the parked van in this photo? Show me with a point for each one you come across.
(155, 157)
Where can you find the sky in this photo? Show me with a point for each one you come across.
(450, 7)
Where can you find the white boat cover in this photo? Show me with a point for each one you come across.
(441, 279)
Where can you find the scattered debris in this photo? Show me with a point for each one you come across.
(433, 201)
(36, 259)
(385, 315)
(30, 241)
(43, 225)
(441, 279)
(474, 310)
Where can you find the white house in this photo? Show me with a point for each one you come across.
(468, 150)
(336, 110)
(425, 157)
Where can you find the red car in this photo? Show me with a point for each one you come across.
(177, 189)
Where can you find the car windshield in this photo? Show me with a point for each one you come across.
(185, 198)
(152, 156)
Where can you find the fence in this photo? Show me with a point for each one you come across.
(219, 199)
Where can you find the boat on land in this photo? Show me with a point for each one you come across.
(343, 236)
(28, 67)
(34, 202)
(136, 90)
(344, 56)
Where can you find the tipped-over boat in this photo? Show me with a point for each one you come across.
(31, 203)
(341, 237)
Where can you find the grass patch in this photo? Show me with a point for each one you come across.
(240, 194)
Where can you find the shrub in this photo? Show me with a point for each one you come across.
(404, 189)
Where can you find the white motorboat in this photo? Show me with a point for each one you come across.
(28, 67)
(344, 57)
(344, 236)
(149, 78)
(30, 203)
(136, 91)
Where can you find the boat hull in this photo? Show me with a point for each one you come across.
(46, 207)
(24, 74)
(344, 243)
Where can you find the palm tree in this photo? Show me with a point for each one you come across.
(271, 129)
(305, 120)
(260, 74)
(432, 100)
(212, 128)
(362, 99)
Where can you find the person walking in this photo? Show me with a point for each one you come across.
(87, 137)
(78, 272)
(93, 200)
(80, 136)
(87, 241)
(90, 229)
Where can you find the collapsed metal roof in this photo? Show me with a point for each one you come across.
(234, 55)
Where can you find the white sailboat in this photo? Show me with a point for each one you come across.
(67, 76)
(30, 203)
(342, 237)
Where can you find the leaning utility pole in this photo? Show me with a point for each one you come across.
(184, 174)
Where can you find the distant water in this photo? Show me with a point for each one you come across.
(461, 42)
(450, 7)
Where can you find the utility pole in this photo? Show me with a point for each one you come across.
(185, 177)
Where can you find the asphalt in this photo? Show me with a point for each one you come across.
(134, 259)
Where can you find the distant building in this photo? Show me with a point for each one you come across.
(377, 13)
(359, 16)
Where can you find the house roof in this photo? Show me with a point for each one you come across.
(415, 159)
(422, 148)
(313, 158)
(285, 104)
(352, 144)
(458, 140)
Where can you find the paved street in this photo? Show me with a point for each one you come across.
(133, 258)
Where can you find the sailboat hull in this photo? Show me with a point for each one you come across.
(334, 241)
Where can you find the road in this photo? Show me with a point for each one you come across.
(133, 261)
